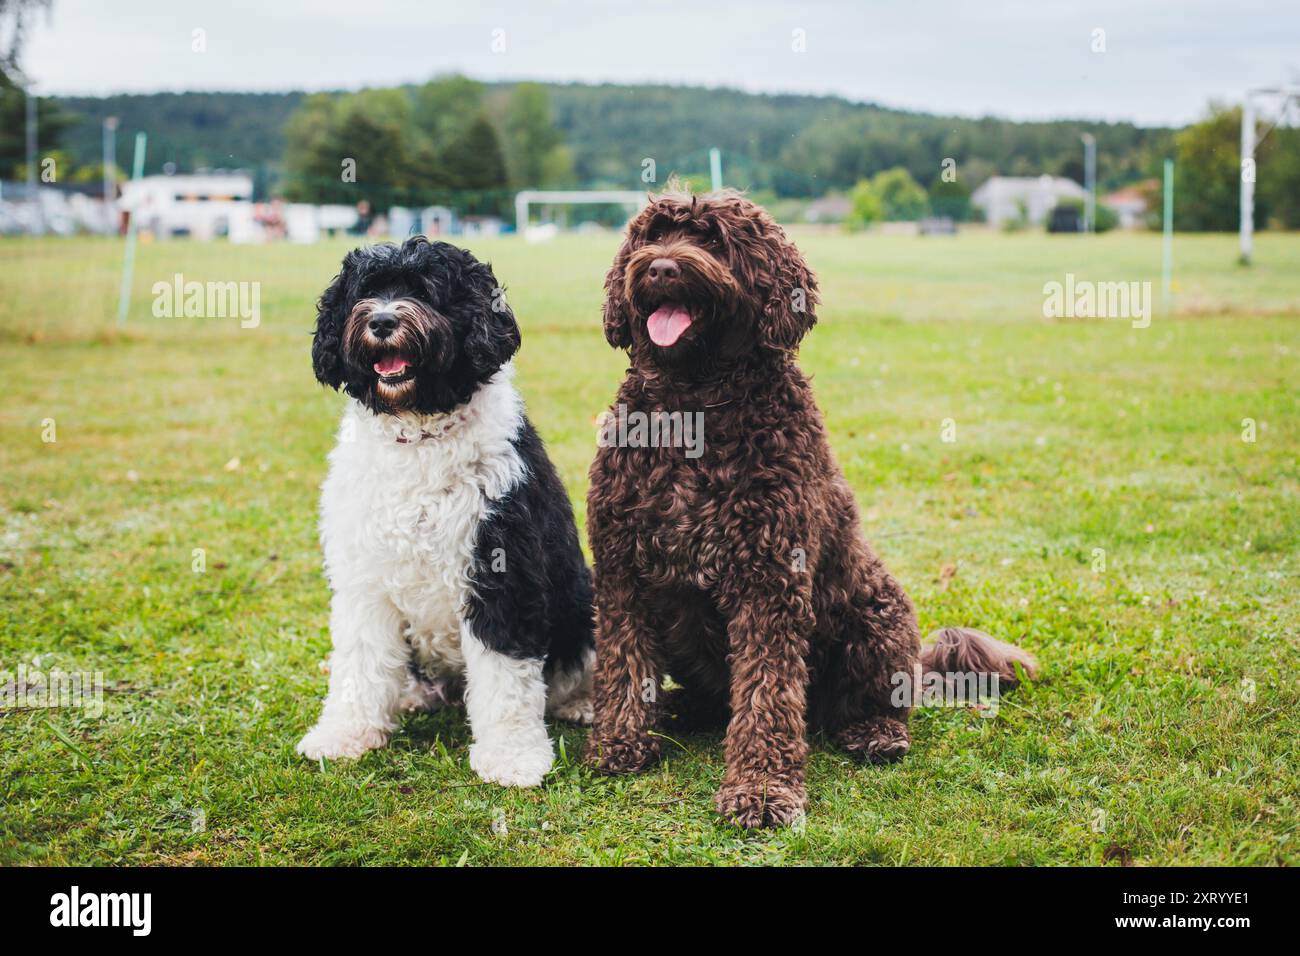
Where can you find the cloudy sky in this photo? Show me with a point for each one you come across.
(1163, 60)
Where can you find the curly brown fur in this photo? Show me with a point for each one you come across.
(742, 572)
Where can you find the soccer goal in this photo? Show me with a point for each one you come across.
(1282, 98)
(560, 197)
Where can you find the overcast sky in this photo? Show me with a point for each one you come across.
(1163, 59)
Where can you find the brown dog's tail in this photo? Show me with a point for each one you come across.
(964, 650)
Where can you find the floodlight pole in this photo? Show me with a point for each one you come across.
(110, 164)
(715, 167)
(1090, 181)
(1167, 267)
(38, 214)
(1247, 173)
(128, 264)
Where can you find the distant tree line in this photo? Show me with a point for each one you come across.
(805, 146)
(187, 131)
(791, 146)
(475, 143)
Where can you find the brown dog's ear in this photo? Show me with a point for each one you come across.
(791, 307)
(618, 328)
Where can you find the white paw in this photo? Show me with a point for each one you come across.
(511, 763)
(340, 740)
(575, 710)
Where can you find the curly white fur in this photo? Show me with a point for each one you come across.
(399, 514)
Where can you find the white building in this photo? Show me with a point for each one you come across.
(1130, 204)
(201, 205)
(1030, 198)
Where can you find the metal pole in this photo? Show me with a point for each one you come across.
(110, 167)
(1247, 173)
(715, 167)
(38, 214)
(1090, 182)
(110, 158)
(128, 265)
(1167, 271)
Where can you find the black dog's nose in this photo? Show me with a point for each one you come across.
(664, 270)
(382, 324)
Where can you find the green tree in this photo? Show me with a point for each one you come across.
(534, 151)
(310, 160)
(866, 207)
(51, 122)
(353, 147)
(901, 196)
(443, 108)
(373, 127)
(558, 168)
(1207, 171)
(474, 165)
(1278, 177)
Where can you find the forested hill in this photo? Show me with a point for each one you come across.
(192, 130)
(792, 145)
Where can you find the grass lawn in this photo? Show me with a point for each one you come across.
(1099, 505)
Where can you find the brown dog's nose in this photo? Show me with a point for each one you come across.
(664, 270)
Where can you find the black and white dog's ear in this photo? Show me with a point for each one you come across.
(331, 313)
(493, 334)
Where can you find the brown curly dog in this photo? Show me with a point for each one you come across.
(738, 567)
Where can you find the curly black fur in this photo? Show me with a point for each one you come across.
(532, 589)
(474, 334)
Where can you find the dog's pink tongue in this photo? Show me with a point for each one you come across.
(391, 365)
(667, 323)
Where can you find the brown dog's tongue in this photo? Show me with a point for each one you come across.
(667, 323)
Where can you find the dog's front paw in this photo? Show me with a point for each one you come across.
(511, 763)
(761, 802)
(334, 741)
(610, 755)
(876, 740)
(575, 710)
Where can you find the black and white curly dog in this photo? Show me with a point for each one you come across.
(449, 541)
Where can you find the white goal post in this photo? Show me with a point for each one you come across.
(1284, 96)
(561, 197)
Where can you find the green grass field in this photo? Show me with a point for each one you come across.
(1099, 506)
